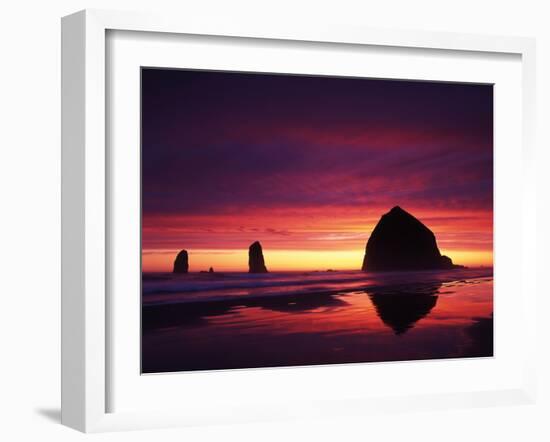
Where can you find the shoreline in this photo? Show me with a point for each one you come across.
(201, 291)
(382, 287)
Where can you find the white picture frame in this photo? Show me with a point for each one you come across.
(85, 206)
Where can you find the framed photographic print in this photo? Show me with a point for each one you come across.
(264, 223)
(275, 183)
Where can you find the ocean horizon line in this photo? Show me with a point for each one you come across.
(329, 270)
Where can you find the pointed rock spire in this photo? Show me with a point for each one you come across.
(256, 262)
(181, 263)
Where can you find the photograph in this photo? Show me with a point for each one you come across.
(298, 220)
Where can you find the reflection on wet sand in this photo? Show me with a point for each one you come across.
(343, 324)
(400, 309)
(194, 313)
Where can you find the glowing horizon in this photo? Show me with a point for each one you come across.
(306, 241)
(236, 260)
(308, 165)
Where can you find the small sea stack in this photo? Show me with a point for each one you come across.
(401, 242)
(256, 262)
(181, 263)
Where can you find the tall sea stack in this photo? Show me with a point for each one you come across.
(256, 262)
(401, 242)
(181, 263)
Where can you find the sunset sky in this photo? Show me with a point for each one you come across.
(307, 165)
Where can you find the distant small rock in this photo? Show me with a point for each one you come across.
(181, 263)
(211, 270)
(256, 262)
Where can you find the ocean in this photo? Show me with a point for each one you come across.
(209, 321)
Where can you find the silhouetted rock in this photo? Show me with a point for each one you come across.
(211, 270)
(446, 262)
(181, 264)
(256, 262)
(401, 242)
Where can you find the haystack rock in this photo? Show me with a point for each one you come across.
(401, 242)
(181, 264)
(256, 262)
